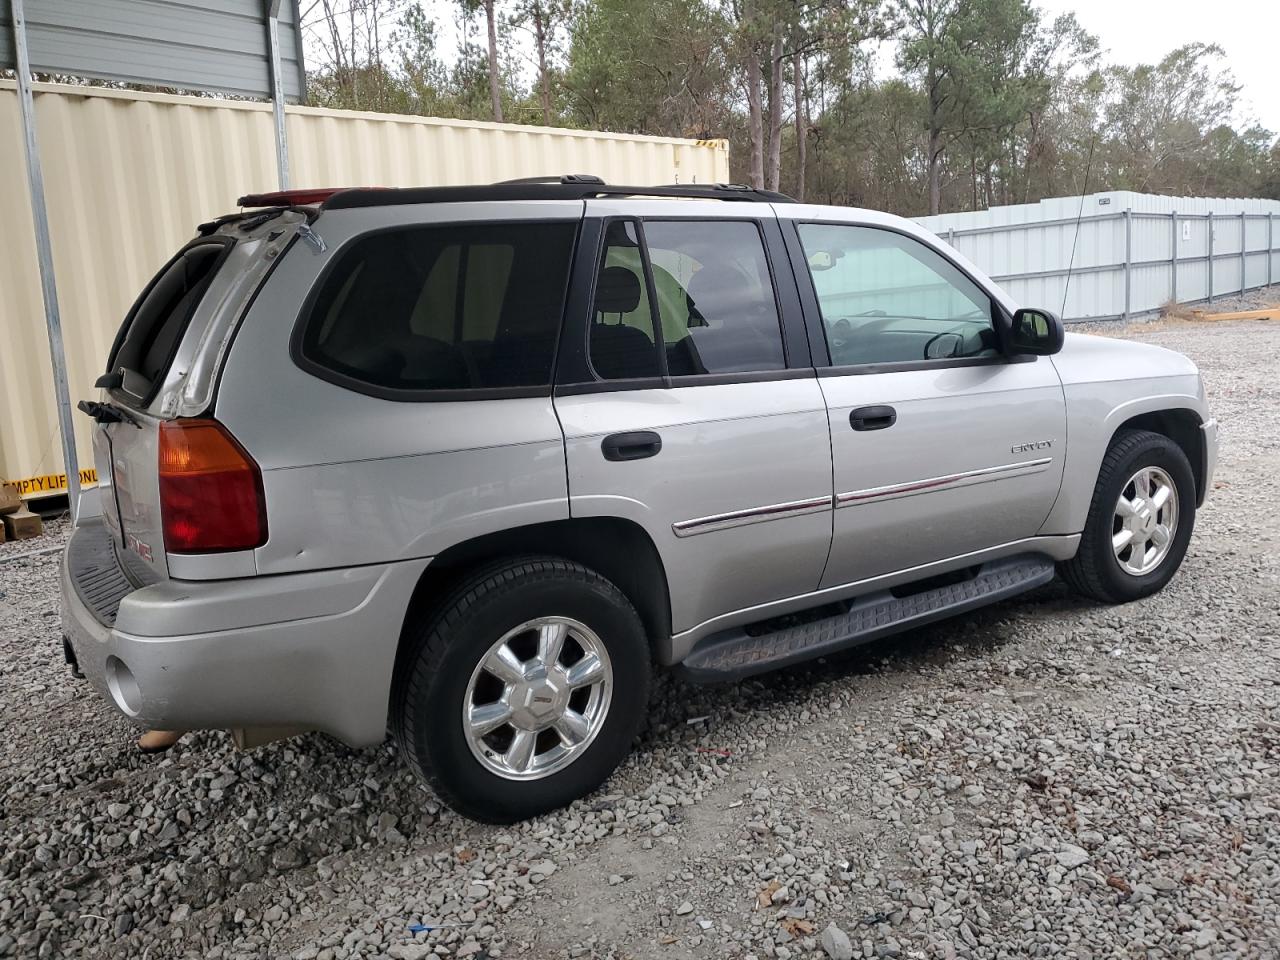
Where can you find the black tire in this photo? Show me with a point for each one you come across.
(1095, 570)
(443, 651)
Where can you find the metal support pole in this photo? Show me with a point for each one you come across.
(44, 257)
(1244, 252)
(1173, 285)
(951, 236)
(1128, 259)
(277, 94)
(1271, 229)
(1210, 235)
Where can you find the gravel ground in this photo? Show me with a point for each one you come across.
(1044, 778)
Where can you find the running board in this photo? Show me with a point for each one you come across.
(734, 654)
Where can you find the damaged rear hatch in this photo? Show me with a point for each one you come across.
(163, 367)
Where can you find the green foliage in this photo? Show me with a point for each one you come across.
(659, 67)
(995, 104)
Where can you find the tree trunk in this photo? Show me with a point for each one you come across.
(935, 171)
(935, 142)
(1029, 170)
(540, 35)
(755, 118)
(495, 90)
(776, 66)
(339, 51)
(802, 132)
(355, 74)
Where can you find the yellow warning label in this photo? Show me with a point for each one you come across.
(51, 483)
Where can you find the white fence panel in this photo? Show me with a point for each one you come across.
(1127, 254)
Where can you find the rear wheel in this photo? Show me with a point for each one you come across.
(1140, 520)
(525, 691)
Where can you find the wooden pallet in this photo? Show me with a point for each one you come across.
(1271, 313)
(22, 525)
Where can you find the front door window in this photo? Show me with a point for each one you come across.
(888, 298)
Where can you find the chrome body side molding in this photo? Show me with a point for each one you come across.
(931, 484)
(740, 518)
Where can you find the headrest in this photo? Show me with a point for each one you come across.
(617, 291)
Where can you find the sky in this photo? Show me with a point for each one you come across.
(1143, 31)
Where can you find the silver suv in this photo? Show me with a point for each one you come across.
(469, 463)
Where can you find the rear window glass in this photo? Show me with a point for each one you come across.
(444, 308)
(151, 333)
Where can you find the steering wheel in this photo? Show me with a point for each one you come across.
(958, 342)
(842, 329)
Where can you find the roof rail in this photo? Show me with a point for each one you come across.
(566, 178)
(570, 187)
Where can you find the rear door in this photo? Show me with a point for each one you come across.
(689, 403)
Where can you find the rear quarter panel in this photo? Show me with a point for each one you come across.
(352, 479)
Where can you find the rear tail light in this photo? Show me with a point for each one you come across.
(211, 497)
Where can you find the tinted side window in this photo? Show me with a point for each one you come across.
(444, 307)
(715, 297)
(886, 297)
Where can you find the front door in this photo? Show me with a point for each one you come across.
(694, 410)
(941, 445)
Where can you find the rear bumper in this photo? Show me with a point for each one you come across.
(311, 650)
(1209, 430)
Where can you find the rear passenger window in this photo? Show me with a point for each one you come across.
(714, 309)
(444, 307)
(715, 297)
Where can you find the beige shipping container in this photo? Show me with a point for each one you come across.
(128, 176)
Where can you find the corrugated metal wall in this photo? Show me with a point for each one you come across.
(129, 175)
(192, 45)
(1027, 248)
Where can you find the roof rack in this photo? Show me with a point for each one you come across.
(566, 178)
(577, 186)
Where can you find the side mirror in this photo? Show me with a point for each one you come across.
(1036, 332)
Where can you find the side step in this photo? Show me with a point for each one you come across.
(733, 654)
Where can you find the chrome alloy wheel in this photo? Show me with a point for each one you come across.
(537, 699)
(1146, 519)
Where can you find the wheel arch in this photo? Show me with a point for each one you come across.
(1182, 426)
(619, 550)
(1094, 419)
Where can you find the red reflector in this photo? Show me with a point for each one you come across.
(211, 497)
(292, 198)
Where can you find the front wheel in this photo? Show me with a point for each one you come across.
(525, 691)
(1140, 520)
